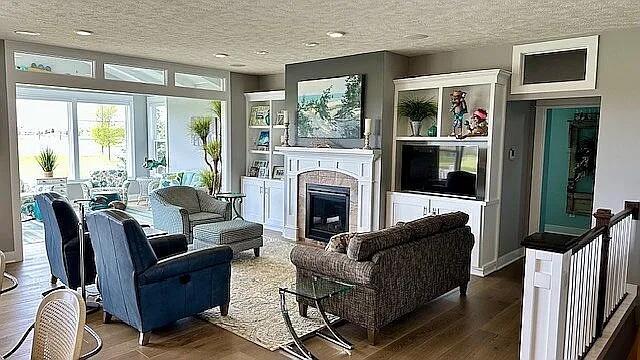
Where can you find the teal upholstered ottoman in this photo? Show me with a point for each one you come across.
(238, 234)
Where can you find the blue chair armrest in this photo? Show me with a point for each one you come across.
(168, 245)
(186, 263)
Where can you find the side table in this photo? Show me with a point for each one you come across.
(235, 199)
(316, 290)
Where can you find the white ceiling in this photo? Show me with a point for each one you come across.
(191, 31)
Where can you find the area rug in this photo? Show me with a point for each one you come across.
(254, 311)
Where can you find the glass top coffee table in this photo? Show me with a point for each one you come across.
(315, 290)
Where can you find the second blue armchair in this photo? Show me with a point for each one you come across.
(148, 293)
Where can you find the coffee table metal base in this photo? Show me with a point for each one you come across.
(297, 348)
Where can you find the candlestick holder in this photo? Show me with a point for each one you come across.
(366, 142)
(286, 135)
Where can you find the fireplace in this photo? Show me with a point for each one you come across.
(327, 211)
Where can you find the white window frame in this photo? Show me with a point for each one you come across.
(590, 43)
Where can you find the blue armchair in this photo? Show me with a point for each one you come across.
(147, 293)
(61, 241)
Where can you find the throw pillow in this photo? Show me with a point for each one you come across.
(339, 243)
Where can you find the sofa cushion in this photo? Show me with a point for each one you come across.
(426, 226)
(204, 218)
(362, 246)
(339, 243)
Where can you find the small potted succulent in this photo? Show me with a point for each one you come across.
(417, 110)
(48, 161)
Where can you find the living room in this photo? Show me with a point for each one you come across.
(388, 173)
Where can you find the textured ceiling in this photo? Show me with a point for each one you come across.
(191, 31)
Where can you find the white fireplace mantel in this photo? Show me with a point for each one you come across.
(363, 165)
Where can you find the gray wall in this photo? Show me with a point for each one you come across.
(516, 174)
(271, 82)
(140, 148)
(617, 170)
(240, 83)
(6, 215)
(379, 70)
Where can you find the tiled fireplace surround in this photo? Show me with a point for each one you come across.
(357, 169)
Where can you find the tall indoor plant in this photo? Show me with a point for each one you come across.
(202, 127)
(417, 110)
(48, 161)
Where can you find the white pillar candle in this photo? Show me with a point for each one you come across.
(285, 117)
(367, 126)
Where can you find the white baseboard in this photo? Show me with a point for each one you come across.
(290, 233)
(502, 261)
(509, 258)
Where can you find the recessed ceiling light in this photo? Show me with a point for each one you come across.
(262, 52)
(237, 65)
(311, 44)
(26, 32)
(335, 34)
(416, 36)
(221, 55)
(83, 32)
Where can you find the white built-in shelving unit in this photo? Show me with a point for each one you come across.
(265, 197)
(485, 89)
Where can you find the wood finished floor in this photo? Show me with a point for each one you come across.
(484, 325)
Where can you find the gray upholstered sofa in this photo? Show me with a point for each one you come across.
(394, 270)
(177, 209)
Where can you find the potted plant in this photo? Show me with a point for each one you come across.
(417, 110)
(48, 161)
(201, 126)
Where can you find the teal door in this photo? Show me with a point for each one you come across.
(569, 164)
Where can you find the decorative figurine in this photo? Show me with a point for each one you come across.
(458, 108)
(477, 126)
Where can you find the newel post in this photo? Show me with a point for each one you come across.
(544, 304)
(603, 218)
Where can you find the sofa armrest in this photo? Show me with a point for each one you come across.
(185, 264)
(171, 218)
(335, 265)
(210, 204)
(168, 245)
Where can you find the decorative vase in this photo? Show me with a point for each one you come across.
(47, 174)
(416, 126)
(432, 131)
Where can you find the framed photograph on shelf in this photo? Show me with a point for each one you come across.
(259, 115)
(261, 163)
(253, 171)
(278, 172)
(263, 138)
(263, 172)
(279, 119)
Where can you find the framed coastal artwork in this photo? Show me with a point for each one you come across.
(330, 108)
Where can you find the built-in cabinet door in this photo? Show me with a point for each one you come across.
(405, 207)
(253, 204)
(274, 204)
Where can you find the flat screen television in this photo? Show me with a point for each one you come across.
(447, 169)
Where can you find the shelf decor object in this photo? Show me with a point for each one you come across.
(285, 122)
(367, 133)
(417, 109)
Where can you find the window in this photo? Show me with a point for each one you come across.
(102, 137)
(52, 64)
(157, 127)
(134, 74)
(34, 135)
(199, 82)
